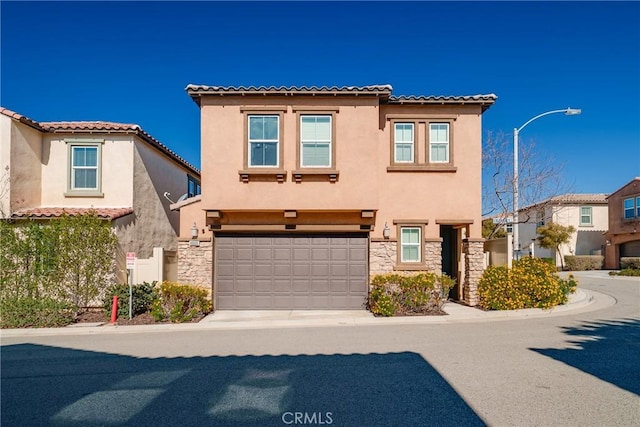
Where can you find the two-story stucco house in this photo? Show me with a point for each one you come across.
(587, 213)
(623, 236)
(307, 191)
(115, 169)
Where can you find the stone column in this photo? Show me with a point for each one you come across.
(195, 263)
(473, 266)
(382, 256)
(433, 255)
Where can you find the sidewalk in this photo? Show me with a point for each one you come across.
(582, 300)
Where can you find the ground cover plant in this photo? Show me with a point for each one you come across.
(531, 283)
(395, 294)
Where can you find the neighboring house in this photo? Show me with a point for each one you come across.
(115, 169)
(587, 213)
(623, 236)
(307, 191)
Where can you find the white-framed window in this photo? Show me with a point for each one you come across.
(264, 140)
(586, 215)
(540, 218)
(629, 208)
(315, 141)
(403, 142)
(410, 244)
(439, 142)
(85, 167)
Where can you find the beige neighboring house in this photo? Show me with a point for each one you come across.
(115, 169)
(587, 213)
(623, 236)
(308, 191)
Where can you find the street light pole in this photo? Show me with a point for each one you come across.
(516, 133)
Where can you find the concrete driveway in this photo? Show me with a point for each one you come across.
(575, 368)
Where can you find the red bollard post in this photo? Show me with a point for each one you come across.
(114, 309)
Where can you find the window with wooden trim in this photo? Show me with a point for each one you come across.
(264, 141)
(315, 141)
(404, 142)
(410, 244)
(438, 142)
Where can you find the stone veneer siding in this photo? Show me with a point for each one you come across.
(473, 266)
(195, 264)
(383, 256)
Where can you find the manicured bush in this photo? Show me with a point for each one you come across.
(583, 262)
(180, 303)
(626, 272)
(530, 283)
(630, 262)
(29, 312)
(402, 294)
(143, 296)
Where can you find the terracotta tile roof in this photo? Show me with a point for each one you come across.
(104, 213)
(89, 126)
(384, 91)
(579, 198)
(439, 99)
(288, 90)
(19, 117)
(571, 199)
(99, 127)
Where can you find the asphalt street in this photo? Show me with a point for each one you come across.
(581, 368)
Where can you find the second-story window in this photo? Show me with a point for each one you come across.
(586, 215)
(193, 186)
(264, 140)
(403, 144)
(439, 142)
(315, 141)
(629, 208)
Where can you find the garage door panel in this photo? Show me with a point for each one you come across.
(263, 270)
(261, 285)
(282, 286)
(282, 254)
(320, 286)
(291, 271)
(298, 285)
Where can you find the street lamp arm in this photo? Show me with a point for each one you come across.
(564, 110)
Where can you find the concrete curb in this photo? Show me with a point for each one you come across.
(583, 300)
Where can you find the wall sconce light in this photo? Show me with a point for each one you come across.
(194, 231)
(386, 231)
(608, 242)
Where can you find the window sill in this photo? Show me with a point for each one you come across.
(410, 267)
(330, 174)
(73, 193)
(421, 168)
(278, 175)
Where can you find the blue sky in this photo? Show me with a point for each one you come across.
(130, 62)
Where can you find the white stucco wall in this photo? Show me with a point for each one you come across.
(116, 173)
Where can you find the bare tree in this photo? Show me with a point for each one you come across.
(540, 178)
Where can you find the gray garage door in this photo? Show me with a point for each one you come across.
(630, 249)
(291, 271)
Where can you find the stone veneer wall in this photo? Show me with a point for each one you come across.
(195, 264)
(383, 256)
(474, 266)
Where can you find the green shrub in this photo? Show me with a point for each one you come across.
(630, 263)
(530, 283)
(550, 261)
(625, 272)
(28, 312)
(583, 262)
(423, 292)
(180, 303)
(143, 296)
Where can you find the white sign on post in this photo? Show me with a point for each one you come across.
(131, 260)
